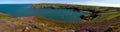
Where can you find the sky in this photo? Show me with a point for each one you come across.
(111, 3)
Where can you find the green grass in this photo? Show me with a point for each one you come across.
(106, 14)
(113, 16)
(3, 16)
(18, 30)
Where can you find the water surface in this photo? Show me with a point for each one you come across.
(19, 10)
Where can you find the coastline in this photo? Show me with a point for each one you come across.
(92, 13)
(107, 18)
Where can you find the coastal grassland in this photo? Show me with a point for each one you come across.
(5, 16)
(37, 23)
(107, 17)
(74, 26)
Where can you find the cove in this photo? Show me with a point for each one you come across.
(19, 10)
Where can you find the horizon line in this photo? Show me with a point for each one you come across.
(64, 3)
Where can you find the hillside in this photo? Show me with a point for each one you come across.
(37, 24)
(107, 21)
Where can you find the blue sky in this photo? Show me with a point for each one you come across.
(112, 3)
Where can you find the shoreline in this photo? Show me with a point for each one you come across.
(29, 23)
(92, 13)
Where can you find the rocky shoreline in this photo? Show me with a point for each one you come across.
(91, 13)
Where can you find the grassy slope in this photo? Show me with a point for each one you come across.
(4, 16)
(45, 25)
(35, 24)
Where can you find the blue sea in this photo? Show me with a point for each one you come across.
(19, 10)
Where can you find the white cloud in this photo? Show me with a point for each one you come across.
(107, 3)
(103, 4)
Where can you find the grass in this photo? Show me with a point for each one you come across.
(18, 30)
(60, 26)
(4, 16)
(107, 16)
(113, 16)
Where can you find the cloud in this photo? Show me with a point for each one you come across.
(108, 3)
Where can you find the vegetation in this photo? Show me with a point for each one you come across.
(37, 24)
(4, 16)
(107, 21)
(103, 12)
